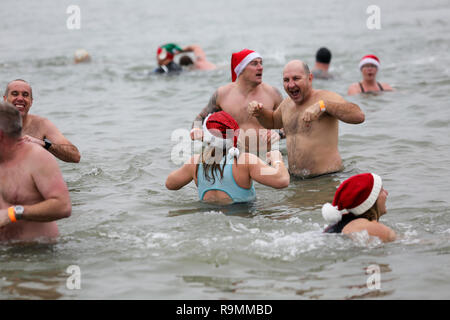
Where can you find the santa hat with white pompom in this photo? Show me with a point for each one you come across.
(220, 130)
(356, 195)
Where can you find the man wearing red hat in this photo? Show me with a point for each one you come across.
(310, 119)
(233, 98)
(369, 66)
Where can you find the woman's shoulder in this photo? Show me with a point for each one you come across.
(373, 228)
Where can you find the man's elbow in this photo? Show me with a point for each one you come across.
(66, 211)
(361, 117)
(282, 182)
(76, 158)
(171, 186)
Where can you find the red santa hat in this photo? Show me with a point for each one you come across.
(221, 131)
(370, 58)
(356, 195)
(239, 60)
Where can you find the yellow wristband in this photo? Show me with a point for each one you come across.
(322, 106)
(12, 214)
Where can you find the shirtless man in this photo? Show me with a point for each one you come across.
(37, 129)
(200, 62)
(310, 120)
(233, 98)
(369, 66)
(33, 193)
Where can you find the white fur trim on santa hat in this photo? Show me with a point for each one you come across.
(368, 203)
(331, 214)
(215, 141)
(241, 66)
(367, 61)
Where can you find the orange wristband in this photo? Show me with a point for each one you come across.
(12, 214)
(322, 106)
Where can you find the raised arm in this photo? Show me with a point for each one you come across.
(211, 107)
(59, 145)
(197, 50)
(275, 175)
(267, 118)
(179, 178)
(336, 106)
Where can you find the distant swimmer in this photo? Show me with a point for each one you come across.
(369, 66)
(310, 119)
(33, 193)
(200, 62)
(81, 56)
(323, 59)
(37, 129)
(222, 174)
(165, 57)
(358, 204)
(233, 98)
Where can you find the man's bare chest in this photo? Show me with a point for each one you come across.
(16, 185)
(35, 129)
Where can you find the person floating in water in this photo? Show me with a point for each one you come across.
(165, 56)
(200, 62)
(369, 66)
(323, 59)
(358, 204)
(222, 174)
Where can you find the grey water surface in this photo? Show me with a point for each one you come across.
(133, 239)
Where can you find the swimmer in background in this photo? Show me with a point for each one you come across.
(200, 62)
(81, 56)
(358, 204)
(36, 129)
(222, 174)
(323, 59)
(165, 55)
(369, 66)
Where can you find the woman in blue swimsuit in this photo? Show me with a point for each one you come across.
(221, 173)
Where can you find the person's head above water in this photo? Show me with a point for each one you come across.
(186, 61)
(369, 59)
(323, 55)
(356, 195)
(221, 131)
(166, 53)
(240, 60)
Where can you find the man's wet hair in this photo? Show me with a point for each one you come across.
(7, 87)
(323, 55)
(10, 120)
(186, 61)
(306, 68)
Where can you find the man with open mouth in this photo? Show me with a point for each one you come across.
(37, 129)
(310, 119)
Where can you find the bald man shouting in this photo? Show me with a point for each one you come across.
(310, 121)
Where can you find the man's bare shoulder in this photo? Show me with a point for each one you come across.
(38, 121)
(327, 95)
(286, 103)
(226, 89)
